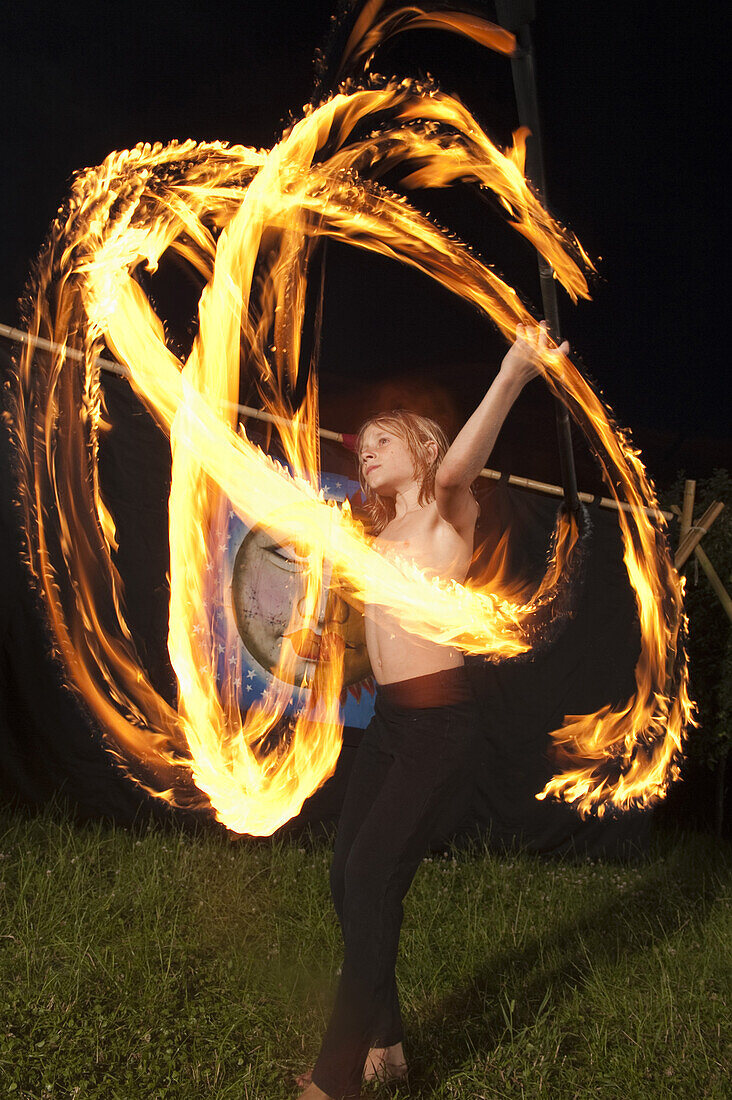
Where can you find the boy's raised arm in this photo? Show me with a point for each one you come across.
(472, 446)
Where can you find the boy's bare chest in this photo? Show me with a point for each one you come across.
(433, 546)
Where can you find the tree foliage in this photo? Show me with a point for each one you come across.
(710, 630)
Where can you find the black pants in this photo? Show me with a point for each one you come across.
(410, 762)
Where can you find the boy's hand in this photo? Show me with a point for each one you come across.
(520, 363)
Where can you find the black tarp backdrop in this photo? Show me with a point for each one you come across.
(630, 96)
(49, 746)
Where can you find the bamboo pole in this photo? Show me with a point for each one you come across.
(697, 532)
(687, 509)
(121, 371)
(713, 577)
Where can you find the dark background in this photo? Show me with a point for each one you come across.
(631, 105)
(630, 98)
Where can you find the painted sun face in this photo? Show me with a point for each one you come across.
(386, 461)
(267, 585)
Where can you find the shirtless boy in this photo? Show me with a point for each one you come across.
(414, 752)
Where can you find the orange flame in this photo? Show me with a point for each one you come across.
(370, 31)
(217, 206)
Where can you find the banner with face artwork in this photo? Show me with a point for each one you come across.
(262, 593)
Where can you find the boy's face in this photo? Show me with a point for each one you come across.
(386, 461)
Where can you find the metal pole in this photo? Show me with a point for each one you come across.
(515, 16)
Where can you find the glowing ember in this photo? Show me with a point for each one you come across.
(223, 209)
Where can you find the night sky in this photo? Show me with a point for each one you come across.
(631, 109)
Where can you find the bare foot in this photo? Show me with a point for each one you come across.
(382, 1063)
(312, 1092)
(385, 1064)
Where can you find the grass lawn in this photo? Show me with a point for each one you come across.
(160, 963)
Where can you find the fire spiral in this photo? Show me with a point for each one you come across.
(249, 222)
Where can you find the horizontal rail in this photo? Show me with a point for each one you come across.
(19, 336)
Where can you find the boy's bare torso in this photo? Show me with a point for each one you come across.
(422, 536)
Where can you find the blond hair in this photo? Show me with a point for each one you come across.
(416, 431)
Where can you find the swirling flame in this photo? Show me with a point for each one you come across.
(224, 209)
